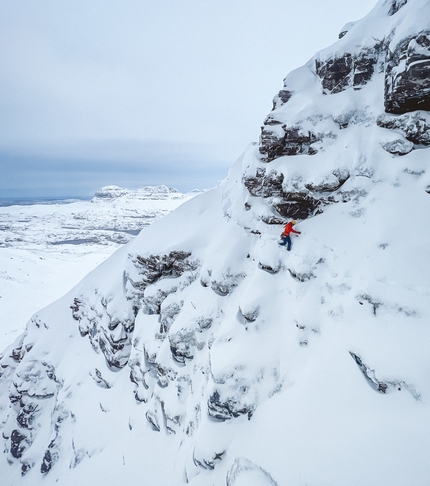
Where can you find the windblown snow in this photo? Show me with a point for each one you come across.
(203, 353)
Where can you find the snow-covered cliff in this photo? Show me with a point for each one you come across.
(204, 353)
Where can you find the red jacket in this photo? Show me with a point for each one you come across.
(289, 229)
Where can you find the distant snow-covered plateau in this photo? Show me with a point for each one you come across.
(46, 249)
(203, 353)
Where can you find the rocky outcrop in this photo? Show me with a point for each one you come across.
(349, 70)
(299, 202)
(414, 126)
(396, 5)
(226, 409)
(281, 98)
(111, 334)
(407, 75)
(265, 183)
(277, 141)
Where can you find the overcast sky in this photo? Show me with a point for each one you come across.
(143, 92)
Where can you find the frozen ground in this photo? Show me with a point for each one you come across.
(46, 249)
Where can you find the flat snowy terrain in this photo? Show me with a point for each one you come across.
(46, 249)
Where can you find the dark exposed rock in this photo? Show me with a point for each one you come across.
(226, 409)
(49, 459)
(349, 70)
(407, 75)
(369, 374)
(15, 397)
(265, 184)
(27, 415)
(269, 268)
(116, 353)
(271, 220)
(25, 467)
(299, 205)
(280, 141)
(18, 443)
(281, 98)
(16, 354)
(156, 267)
(414, 126)
(75, 308)
(396, 5)
(301, 277)
(364, 66)
(335, 73)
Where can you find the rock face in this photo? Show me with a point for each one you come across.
(407, 75)
(277, 141)
(348, 71)
(402, 60)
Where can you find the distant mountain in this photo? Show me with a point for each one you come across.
(149, 192)
(124, 213)
(203, 353)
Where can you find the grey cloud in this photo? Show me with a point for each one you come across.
(81, 169)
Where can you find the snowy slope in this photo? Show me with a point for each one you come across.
(203, 353)
(46, 249)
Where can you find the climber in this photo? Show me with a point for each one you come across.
(286, 239)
